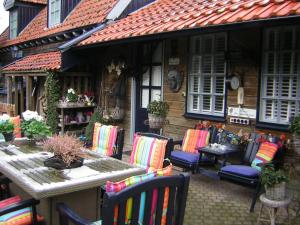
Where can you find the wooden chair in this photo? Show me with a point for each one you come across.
(244, 173)
(188, 160)
(118, 145)
(178, 189)
(14, 206)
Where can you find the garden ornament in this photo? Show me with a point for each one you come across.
(174, 80)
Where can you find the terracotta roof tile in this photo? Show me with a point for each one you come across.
(4, 36)
(172, 15)
(87, 12)
(37, 62)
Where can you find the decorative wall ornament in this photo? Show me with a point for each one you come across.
(118, 67)
(175, 79)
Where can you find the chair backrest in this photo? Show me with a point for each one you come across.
(169, 146)
(252, 147)
(118, 150)
(178, 189)
(213, 138)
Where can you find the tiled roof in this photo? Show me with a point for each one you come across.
(4, 36)
(44, 2)
(37, 62)
(87, 12)
(172, 15)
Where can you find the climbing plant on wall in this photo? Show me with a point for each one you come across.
(52, 97)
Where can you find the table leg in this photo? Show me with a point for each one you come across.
(272, 213)
(199, 160)
(259, 214)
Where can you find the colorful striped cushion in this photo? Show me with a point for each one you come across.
(194, 139)
(265, 154)
(9, 201)
(19, 217)
(118, 186)
(104, 139)
(148, 152)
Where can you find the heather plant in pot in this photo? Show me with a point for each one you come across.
(274, 182)
(67, 152)
(7, 127)
(295, 129)
(157, 112)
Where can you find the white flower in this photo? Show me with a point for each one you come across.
(71, 90)
(29, 115)
(4, 118)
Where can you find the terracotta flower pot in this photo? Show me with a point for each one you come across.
(156, 122)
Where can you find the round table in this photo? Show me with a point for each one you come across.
(273, 206)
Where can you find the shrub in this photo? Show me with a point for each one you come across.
(158, 108)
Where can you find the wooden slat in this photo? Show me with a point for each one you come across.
(9, 89)
(22, 102)
(171, 201)
(78, 89)
(148, 206)
(135, 209)
(28, 93)
(121, 213)
(159, 205)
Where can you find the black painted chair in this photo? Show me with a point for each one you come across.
(18, 205)
(178, 189)
(244, 173)
(119, 145)
(190, 161)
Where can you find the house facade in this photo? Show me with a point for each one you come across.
(234, 62)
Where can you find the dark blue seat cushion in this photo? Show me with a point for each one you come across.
(187, 157)
(241, 170)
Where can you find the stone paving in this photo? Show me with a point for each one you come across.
(217, 202)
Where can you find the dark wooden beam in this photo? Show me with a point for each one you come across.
(9, 89)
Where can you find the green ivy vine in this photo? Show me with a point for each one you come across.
(52, 98)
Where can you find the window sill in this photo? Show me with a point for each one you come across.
(272, 126)
(204, 117)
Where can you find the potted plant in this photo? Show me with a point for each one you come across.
(71, 96)
(7, 127)
(295, 129)
(33, 126)
(157, 112)
(274, 182)
(67, 152)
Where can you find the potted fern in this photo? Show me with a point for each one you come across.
(274, 182)
(157, 112)
(295, 129)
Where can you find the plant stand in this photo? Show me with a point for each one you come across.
(273, 206)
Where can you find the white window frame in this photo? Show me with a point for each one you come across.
(13, 24)
(277, 98)
(54, 12)
(200, 75)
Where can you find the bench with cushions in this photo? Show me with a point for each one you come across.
(188, 156)
(257, 154)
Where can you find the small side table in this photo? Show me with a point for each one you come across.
(273, 206)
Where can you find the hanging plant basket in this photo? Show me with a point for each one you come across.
(276, 192)
(8, 136)
(156, 122)
(117, 114)
(56, 162)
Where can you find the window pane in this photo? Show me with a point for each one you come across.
(155, 95)
(157, 53)
(156, 76)
(284, 110)
(146, 76)
(287, 63)
(195, 84)
(196, 63)
(195, 102)
(219, 102)
(206, 99)
(285, 86)
(207, 64)
(220, 85)
(206, 82)
(270, 63)
(220, 64)
(145, 98)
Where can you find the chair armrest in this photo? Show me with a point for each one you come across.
(67, 214)
(178, 142)
(18, 206)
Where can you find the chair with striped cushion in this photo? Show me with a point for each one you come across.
(149, 203)
(150, 150)
(14, 211)
(108, 140)
(257, 154)
(187, 156)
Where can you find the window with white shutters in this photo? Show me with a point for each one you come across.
(280, 82)
(54, 12)
(13, 24)
(206, 78)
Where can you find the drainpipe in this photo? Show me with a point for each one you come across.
(114, 14)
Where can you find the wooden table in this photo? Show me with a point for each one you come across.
(78, 187)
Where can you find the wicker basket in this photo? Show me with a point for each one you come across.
(277, 192)
(156, 122)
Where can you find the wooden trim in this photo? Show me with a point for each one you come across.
(28, 93)
(77, 74)
(9, 90)
(16, 94)
(25, 73)
(22, 97)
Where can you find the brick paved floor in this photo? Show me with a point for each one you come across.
(216, 202)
